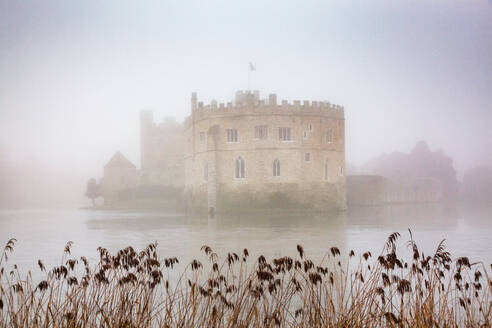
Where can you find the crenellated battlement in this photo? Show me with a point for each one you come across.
(249, 103)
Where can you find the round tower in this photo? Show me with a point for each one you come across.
(266, 156)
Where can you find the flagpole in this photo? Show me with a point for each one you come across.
(250, 69)
(249, 78)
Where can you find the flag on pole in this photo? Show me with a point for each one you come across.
(251, 67)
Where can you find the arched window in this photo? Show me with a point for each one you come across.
(205, 172)
(276, 168)
(239, 168)
(326, 170)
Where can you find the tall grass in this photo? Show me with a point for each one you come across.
(133, 289)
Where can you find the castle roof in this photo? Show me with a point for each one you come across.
(119, 161)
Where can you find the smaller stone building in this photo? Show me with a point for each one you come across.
(120, 178)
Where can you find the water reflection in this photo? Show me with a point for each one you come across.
(43, 234)
(397, 217)
(265, 234)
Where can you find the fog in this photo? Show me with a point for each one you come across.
(74, 76)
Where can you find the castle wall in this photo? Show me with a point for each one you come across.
(302, 184)
(365, 190)
(378, 190)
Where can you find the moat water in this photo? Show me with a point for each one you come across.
(42, 234)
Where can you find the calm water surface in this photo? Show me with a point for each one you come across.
(42, 234)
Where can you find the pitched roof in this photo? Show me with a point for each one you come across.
(120, 161)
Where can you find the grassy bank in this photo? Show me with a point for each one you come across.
(132, 289)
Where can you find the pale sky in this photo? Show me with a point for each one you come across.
(74, 75)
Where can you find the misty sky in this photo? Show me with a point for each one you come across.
(74, 75)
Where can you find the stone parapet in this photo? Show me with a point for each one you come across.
(214, 110)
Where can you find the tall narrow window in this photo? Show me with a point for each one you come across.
(202, 137)
(239, 168)
(205, 172)
(276, 168)
(261, 132)
(231, 135)
(284, 134)
(326, 170)
(307, 157)
(340, 172)
(329, 135)
(310, 127)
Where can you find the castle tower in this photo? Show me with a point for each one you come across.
(146, 123)
(161, 151)
(194, 107)
(194, 101)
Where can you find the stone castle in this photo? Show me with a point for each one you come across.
(252, 154)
